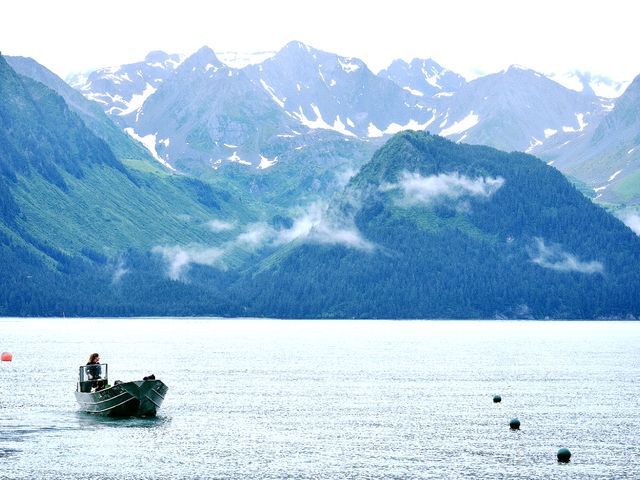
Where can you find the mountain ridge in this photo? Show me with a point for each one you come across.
(500, 238)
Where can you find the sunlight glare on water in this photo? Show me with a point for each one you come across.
(326, 399)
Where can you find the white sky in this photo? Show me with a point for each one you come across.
(462, 35)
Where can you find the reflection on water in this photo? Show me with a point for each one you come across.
(256, 399)
(89, 420)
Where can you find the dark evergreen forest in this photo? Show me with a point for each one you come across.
(532, 247)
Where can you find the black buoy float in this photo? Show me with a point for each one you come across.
(514, 424)
(564, 455)
(497, 399)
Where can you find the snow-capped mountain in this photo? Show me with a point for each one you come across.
(91, 113)
(204, 113)
(423, 78)
(207, 113)
(122, 90)
(516, 109)
(324, 90)
(607, 156)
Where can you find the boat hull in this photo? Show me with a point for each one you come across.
(140, 398)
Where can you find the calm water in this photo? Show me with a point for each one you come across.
(259, 399)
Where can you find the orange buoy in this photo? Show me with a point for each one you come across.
(6, 357)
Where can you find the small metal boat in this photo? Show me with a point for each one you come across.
(139, 398)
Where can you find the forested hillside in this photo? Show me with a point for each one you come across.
(458, 231)
(74, 220)
(426, 228)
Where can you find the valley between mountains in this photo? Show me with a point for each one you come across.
(303, 185)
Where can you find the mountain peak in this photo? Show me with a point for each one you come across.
(297, 45)
(295, 50)
(423, 77)
(425, 63)
(518, 69)
(156, 56)
(203, 57)
(204, 53)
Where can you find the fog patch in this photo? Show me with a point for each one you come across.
(417, 190)
(313, 225)
(343, 176)
(555, 258)
(335, 234)
(317, 223)
(632, 220)
(220, 226)
(256, 235)
(120, 270)
(179, 259)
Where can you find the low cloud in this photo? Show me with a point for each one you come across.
(348, 236)
(313, 225)
(256, 235)
(344, 176)
(179, 259)
(220, 226)
(119, 271)
(553, 257)
(316, 225)
(632, 220)
(417, 189)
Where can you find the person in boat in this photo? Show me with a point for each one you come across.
(94, 371)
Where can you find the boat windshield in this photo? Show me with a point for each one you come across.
(93, 372)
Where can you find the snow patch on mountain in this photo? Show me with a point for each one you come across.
(149, 142)
(549, 132)
(373, 131)
(236, 158)
(272, 93)
(432, 79)
(338, 126)
(137, 100)
(394, 128)
(417, 93)
(99, 97)
(533, 144)
(320, 123)
(266, 163)
(463, 125)
(612, 177)
(348, 66)
(581, 124)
